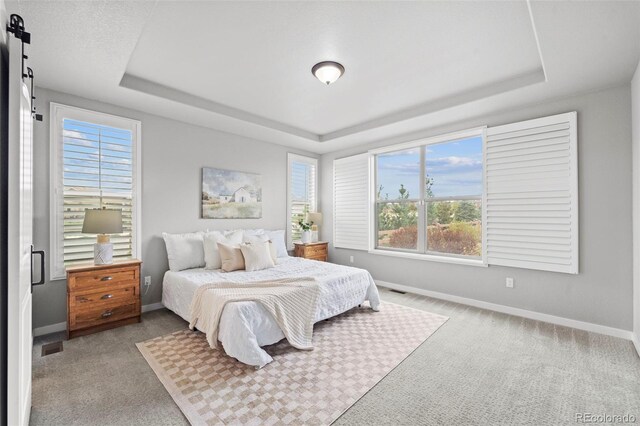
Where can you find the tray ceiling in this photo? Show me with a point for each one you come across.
(244, 67)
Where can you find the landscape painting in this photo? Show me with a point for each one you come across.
(228, 194)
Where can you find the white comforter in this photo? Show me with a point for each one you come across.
(246, 326)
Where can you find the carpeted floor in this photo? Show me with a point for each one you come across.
(481, 367)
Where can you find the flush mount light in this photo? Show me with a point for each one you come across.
(327, 71)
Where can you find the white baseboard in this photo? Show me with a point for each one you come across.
(580, 325)
(636, 342)
(48, 329)
(62, 326)
(152, 307)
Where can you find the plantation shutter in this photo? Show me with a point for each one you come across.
(351, 202)
(532, 194)
(94, 167)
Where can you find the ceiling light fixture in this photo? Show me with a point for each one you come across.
(327, 71)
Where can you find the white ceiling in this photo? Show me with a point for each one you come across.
(245, 67)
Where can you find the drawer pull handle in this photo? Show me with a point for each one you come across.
(83, 299)
(107, 296)
(107, 314)
(106, 278)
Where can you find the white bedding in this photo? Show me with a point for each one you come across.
(246, 326)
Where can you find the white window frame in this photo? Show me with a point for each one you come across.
(445, 258)
(291, 158)
(58, 112)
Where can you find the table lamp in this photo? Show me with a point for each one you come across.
(102, 222)
(316, 218)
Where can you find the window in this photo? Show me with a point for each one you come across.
(302, 192)
(94, 163)
(504, 195)
(429, 197)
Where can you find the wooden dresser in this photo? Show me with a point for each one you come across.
(314, 251)
(100, 297)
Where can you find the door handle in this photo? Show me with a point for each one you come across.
(42, 266)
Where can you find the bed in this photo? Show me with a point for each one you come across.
(246, 326)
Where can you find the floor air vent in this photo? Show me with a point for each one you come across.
(398, 291)
(51, 348)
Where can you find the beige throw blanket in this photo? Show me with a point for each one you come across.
(291, 301)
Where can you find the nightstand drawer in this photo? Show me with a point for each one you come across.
(319, 250)
(102, 315)
(322, 258)
(101, 279)
(117, 296)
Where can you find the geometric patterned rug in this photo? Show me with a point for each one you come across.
(352, 352)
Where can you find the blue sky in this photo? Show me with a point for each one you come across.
(300, 181)
(81, 146)
(456, 169)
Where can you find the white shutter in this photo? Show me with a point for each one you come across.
(532, 194)
(351, 202)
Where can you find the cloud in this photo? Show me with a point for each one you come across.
(401, 168)
(454, 161)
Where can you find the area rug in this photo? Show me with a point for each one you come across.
(352, 352)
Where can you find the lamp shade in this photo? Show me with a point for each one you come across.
(316, 218)
(102, 221)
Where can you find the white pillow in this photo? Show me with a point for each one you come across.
(185, 251)
(257, 256)
(262, 238)
(211, 252)
(253, 232)
(277, 238)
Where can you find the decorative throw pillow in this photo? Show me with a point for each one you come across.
(257, 256)
(231, 257)
(262, 238)
(277, 238)
(211, 240)
(185, 251)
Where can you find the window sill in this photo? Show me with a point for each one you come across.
(430, 257)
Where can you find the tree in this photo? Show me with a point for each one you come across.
(394, 215)
(428, 185)
(443, 212)
(466, 211)
(379, 194)
(428, 192)
(404, 194)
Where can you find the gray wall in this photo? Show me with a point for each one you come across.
(602, 292)
(635, 119)
(173, 154)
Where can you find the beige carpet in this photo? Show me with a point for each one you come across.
(352, 352)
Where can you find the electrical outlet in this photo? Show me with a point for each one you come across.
(509, 282)
(147, 280)
(351, 259)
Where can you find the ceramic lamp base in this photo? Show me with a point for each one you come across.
(103, 253)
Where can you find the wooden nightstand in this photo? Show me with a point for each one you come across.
(100, 297)
(314, 251)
